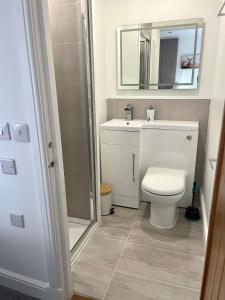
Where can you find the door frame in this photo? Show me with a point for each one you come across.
(213, 284)
(54, 212)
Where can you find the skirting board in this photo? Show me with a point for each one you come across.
(29, 286)
(204, 217)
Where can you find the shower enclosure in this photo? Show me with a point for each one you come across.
(72, 61)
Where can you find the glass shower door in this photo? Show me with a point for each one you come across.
(72, 60)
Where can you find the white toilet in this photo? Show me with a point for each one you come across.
(164, 188)
(169, 151)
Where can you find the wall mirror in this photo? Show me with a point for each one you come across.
(163, 55)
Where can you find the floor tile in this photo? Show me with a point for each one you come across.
(102, 251)
(126, 287)
(119, 224)
(185, 237)
(90, 280)
(168, 266)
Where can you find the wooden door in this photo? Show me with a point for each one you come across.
(213, 285)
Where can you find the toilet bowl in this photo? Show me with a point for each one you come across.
(164, 188)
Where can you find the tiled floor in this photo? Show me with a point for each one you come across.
(128, 259)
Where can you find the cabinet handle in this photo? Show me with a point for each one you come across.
(212, 161)
(133, 167)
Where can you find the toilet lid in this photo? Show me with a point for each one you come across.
(164, 181)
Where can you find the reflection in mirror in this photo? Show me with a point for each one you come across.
(159, 57)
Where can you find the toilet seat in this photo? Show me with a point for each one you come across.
(164, 181)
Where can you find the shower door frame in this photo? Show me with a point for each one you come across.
(54, 213)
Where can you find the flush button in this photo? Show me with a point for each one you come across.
(189, 137)
(21, 132)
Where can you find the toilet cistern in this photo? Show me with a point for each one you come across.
(169, 151)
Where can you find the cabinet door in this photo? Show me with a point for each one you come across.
(120, 169)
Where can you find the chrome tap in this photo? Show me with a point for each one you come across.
(129, 112)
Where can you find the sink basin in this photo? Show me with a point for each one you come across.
(122, 124)
(137, 125)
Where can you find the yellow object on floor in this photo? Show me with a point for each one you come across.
(105, 189)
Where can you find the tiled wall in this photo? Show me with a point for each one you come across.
(65, 19)
(179, 109)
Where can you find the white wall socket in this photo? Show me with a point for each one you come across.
(8, 166)
(16, 220)
(21, 132)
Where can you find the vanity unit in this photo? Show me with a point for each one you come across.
(129, 148)
(120, 160)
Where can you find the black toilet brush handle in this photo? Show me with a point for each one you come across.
(194, 190)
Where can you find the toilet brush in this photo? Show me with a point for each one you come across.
(192, 212)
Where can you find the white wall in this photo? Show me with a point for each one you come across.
(28, 261)
(21, 250)
(215, 116)
(116, 13)
(99, 60)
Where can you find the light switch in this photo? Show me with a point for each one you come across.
(8, 166)
(4, 131)
(17, 220)
(21, 132)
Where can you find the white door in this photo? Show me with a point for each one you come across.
(120, 169)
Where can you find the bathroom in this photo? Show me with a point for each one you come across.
(140, 102)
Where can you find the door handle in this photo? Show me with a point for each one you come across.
(133, 167)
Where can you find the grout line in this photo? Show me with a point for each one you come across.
(111, 237)
(116, 268)
(166, 250)
(161, 281)
(68, 77)
(93, 265)
(66, 43)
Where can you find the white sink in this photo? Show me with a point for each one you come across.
(137, 125)
(122, 124)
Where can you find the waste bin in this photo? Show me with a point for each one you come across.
(106, 199)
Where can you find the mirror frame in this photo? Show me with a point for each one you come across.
(198, 23)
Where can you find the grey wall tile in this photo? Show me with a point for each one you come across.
(177, 109)
(77, 180)
(68, 60)
(75, 154)
(78, 205)
(112, 109)
(73, 124)
(70, 93)
(65, 22)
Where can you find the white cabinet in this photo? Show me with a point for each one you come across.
(120, 166)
